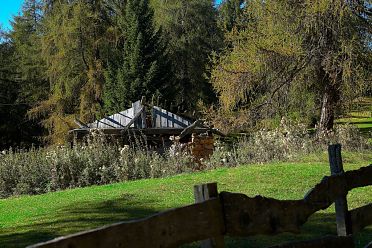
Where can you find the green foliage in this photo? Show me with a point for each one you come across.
(100, 162)
(42, 170)
(27, 220)
(21, 81)
(291, 57)
(67, 59)
(190, 28)
(230, 12)
(26, 38)
(141, 71)
(74, 35)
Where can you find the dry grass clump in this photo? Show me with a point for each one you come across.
(288, 141)
(98, 161)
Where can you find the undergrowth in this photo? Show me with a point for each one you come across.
(99, 161)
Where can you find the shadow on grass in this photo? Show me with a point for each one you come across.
(88, 215)
(75, 218)
(319, 225)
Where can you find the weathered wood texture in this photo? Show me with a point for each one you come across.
(343, 220)
(165, 119)
(118, 120)
(246, 216)
(167, 229)
(146, 131)
(135, 120)
(231, 214)
(325, 242)
(259, 215)
(188, 130)
(161, 118)
(361, 217)
(203, 193)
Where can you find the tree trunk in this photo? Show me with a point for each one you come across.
(327, 113)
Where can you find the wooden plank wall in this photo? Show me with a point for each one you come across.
(162, 118)
(118, 120)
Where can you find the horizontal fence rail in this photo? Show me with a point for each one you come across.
(215, 215)
(260, 215)
(167, 229)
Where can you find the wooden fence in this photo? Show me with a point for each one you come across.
(215, 215)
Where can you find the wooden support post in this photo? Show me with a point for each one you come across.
(188, 130)
(143, 113)
(343, 219)
(202, 193)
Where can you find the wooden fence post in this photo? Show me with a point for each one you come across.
(202, 193)
(343, 219)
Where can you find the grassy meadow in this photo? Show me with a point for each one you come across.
(359, 116)
(25, 220)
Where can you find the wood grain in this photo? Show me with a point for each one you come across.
(260, 215)
(231, 214)
(204, 192)
(167, 229)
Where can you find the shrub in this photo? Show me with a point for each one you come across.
(98, 161)
(288, 141)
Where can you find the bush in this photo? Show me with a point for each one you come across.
(288, 141)
(98, 162)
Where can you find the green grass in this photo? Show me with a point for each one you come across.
(29, 219)
(361, 116)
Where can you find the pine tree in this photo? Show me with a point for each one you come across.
(26, 38)
(141, 70)
(229, 12)
(190, 27)
(15, 128)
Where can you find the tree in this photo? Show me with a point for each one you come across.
(15, 128)
(142, 69)
(73, 49)
(229, 12)
(190, 28)
(26, 38)
(22, 82)
(289, 52)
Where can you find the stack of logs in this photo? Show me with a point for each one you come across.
(201, 146)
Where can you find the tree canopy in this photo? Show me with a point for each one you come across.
(253, 60)
(296, 57)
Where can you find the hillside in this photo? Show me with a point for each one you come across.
(29, 219)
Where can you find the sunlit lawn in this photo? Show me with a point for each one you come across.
(29, 219)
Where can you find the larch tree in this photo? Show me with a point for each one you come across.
(73, 38)
(296, 55)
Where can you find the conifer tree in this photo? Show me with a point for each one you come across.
(229, 12)
(190, 28)
(26, 38)
(73, 48)
(141, 70)
(295, 56)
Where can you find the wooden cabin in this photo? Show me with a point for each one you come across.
(157, 125)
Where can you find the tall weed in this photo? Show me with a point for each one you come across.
(99, 161)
